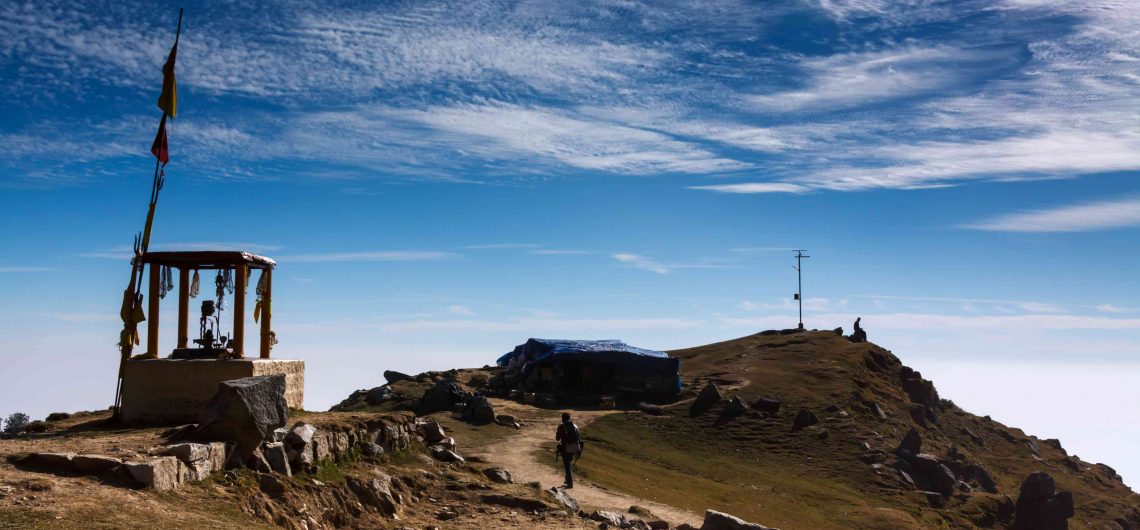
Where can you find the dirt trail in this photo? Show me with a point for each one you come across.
(517, 454)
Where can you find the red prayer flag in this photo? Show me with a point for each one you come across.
(159, 148)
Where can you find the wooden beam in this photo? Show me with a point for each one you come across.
(238, 342)
(183, 307)
(152, 312)
(266, 313)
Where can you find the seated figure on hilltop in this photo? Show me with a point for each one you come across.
(859, 335)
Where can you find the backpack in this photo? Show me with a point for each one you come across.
(571, 439)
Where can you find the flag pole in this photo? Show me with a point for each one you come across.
(132, 296)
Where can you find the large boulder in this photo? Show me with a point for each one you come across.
(767, 405)
(244, 411)
(715, 520)
(1040, 506)
(433, 432)
(441, 396)
(912, 442)
(709, 397)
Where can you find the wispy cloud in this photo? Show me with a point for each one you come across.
(561, 252)
(1085, 217)
(502, 246)
(649, 264)
(755, 187)
(390, 255)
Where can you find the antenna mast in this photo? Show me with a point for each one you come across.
(800, 283)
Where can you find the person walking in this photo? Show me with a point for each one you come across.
(569, 446)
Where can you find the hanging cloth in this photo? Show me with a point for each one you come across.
(165, 281)
(194, 285)
(262, 304)
(220, 283)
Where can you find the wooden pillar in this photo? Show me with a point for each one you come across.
(238, 341)
(266, 312)
(183, 307)
(152, 311)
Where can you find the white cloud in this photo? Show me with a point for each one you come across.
(461, 310)
(390, 255)
(642, 262)
(755, 187)
(560, 252)
(502, 246)
(1077, 218)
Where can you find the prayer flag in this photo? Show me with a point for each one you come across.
(168, 100)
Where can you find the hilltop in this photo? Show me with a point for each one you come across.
(789, 429)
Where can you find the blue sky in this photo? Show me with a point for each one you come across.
(440, 181)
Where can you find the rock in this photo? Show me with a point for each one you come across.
(322, 446)
(973, 437)
(1040, 506)
(943, 480)
(219, 454)
(921, 392)
(441, 396)
(50, 462)
(1032, 448)
(650, 408)
(162, 473)
(804, 418)
(838, 331)
(735, 407)
(300, 435)
(256, 461)
(685, 526)
(198, 470)
(245, 411)
(912, 441)
(376, 492)
(479, 410)
(924, 462)
(370, 449)
(979, 474)
(708, 397)
(715, 520)
(278, 460)
(767, 405)
(392, 376)
(445, 455)
(934, 498)
(499, 475)
(506, 420)
(271, 485)
(95, 464)
(832, 408)
(278, 435)
(187, 452)
(875, 410)
(563, 498)
(432, 432)
(613, 519)
(917, 413)
(1055, 444)
(907, 480)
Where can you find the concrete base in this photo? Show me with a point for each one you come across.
(172, 391)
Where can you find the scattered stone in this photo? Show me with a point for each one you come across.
(613, 519)
(432, 432)
(650, 408)
(708, 397)
(245, 411)
(804, 418)
(735, 407)
(563, 498)
(876, 410)
(163, 473)
(912, 441)
(767, 405)
(507, 420)
(499, 475)
(278, 460)
(95, 464)
(392, 376)
(1040, 506)
(715, 520)
(445, 455)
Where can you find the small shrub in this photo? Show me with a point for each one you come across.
(58, 416)
(16, 423)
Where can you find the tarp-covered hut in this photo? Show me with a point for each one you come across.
(586, 369)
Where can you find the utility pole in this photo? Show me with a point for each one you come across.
(800, 283)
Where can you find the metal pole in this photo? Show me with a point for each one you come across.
(800, 284)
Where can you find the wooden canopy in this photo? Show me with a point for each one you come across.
(185, 261)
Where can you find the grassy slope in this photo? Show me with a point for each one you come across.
(755, 467)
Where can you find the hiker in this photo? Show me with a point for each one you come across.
(858, 335)
(569, 446)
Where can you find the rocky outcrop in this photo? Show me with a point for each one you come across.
(244, 411)
(921, 392)
(392, 376)
(163, 473)
(1040, 506)
(479, 410)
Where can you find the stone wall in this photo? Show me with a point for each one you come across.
(173, 391)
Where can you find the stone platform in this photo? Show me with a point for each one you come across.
(172, 391)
